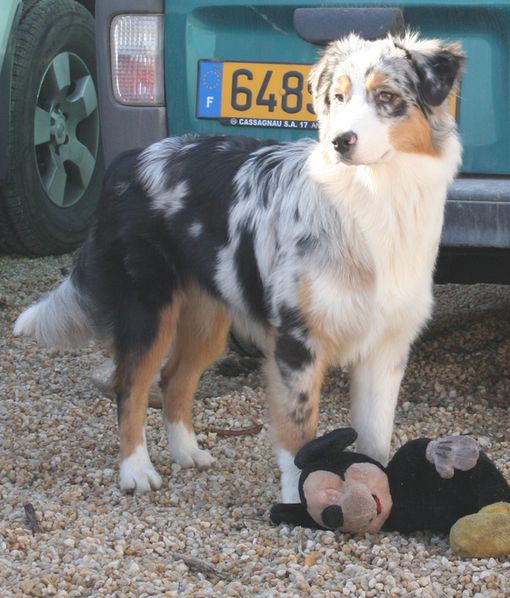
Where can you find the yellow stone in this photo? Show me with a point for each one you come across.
(484, 534)
(497, 507)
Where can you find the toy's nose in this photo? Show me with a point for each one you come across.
(332, 517)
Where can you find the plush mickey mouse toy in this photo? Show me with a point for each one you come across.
(428, 485)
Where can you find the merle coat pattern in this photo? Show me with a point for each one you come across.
(321, 252)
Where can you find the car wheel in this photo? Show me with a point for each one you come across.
(55, 162)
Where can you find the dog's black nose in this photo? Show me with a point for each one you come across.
(332, 516)
(345, 143)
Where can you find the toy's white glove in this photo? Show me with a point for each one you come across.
(451, 453)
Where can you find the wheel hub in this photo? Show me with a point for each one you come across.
(66, 129)
(58, 127)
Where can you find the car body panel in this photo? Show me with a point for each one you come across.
(11, 11)
(123, 127)
(477, 213)
(223, 30)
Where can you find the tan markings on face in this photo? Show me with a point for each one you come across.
(132, 416)
(375, 81)
(413, 135)
(201, 338)
(343, 86)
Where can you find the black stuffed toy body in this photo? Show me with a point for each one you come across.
(427, 485)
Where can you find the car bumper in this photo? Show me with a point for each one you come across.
(478, 213)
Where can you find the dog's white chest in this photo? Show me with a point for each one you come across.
(352, 321)
(382, 285)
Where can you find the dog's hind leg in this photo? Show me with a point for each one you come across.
(142, 341)
(201, 338)
(294, 376)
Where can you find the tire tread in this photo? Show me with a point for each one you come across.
(17, 231)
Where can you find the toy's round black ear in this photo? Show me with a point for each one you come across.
(326, 446)
(292, 513)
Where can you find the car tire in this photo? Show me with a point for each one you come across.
(55, 164)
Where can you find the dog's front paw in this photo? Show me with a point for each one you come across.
(194, 458)
(184, 449)
(137, 474)
(289, 477)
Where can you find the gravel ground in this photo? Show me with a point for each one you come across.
(207, 533)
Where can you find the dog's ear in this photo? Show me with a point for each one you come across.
(438, 66)
(437, 73)
(321, 74)
(320, 83)
(326, 447)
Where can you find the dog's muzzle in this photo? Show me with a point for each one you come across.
(345, 143)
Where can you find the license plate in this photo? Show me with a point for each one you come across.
(453, 105)
(252, 94)
(260, 94)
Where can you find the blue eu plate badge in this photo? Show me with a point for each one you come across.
(210, 78)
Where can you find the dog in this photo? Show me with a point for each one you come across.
(320, 251)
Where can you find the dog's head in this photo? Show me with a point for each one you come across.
(374, 99)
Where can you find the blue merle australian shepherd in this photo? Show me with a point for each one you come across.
(321, 252)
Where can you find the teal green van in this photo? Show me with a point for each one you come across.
(168, 67)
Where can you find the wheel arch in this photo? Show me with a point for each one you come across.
(90, 5)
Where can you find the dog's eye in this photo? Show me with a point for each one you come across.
(385, 97)
(339, 97)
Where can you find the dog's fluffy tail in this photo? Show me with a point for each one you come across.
(60, 319)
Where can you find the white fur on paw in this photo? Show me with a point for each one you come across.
(26, 322)
(183, 447)
(289, 476)
(137, 474)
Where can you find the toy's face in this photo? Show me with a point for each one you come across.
(361, 502)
